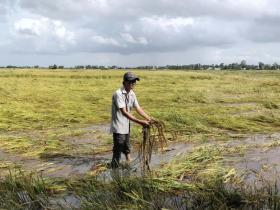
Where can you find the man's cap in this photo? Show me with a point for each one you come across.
(130, 76)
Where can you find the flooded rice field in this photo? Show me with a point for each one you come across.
(78, 165)
(260, 158)
(254, 159)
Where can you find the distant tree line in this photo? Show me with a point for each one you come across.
(232, 66)
(31, 67)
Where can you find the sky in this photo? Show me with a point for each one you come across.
(138, 32)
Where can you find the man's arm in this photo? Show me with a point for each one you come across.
(143, 113)
(134, 119)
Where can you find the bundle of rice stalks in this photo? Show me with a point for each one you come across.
(153, 140)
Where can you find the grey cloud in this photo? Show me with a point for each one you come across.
(107, 18)
(3, 9)
(126, 8)
(135, 28)
(264, 29)
(159, 39)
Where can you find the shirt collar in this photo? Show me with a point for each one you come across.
(124, 91)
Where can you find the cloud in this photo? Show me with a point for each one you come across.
(2, 8)
(42, 31)
(105, 41)
(264, 29)
(140, 28)
(168, 24)
(132, 40)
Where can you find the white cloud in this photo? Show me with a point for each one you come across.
(142, 40)
(134, 40)
(100, 4)
(29, 27)
(168, 24)
(42, 30)
(61, 32)
(127, 27)
(106, 41)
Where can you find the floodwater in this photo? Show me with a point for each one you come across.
(261, 161)
(257, 157)
(77, 165)
(68, 166)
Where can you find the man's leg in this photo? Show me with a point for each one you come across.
(128, 158)
(126, 150)
(117, 149)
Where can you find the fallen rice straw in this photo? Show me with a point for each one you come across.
(153, 139)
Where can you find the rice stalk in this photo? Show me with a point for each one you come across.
(153, 139)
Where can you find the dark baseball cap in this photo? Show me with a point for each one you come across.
(130, 76)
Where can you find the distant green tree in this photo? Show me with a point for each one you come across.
(243, 64)
(79, 67)
(275, 66)
(53, 67)
(197, 66)
(267, 67)
(10, 67)
(261, 65)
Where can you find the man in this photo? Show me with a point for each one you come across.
(122, 102)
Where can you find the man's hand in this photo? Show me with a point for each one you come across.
(151, 120)
(144, 122)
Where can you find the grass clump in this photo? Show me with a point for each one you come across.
(164, 193)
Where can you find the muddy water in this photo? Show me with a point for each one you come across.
(265, 161)
(71, 166)
(254, 140)
(257, 162)
(261, 160)
(257, 165)
(53, 167)
(78, 165)
(255, 158)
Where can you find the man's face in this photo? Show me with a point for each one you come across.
(129, 85)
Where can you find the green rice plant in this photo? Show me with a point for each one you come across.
(124, 193)
(23, 191)
(163, 193)
(270, 105)
(267, 118)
